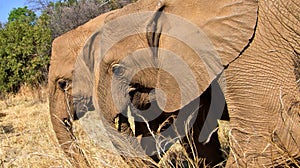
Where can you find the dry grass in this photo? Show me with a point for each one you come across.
(28, 140)
(26, 135)
(99, 157)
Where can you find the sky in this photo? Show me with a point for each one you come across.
(7, 5)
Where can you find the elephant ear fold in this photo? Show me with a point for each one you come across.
(83, 76)
(198, 40)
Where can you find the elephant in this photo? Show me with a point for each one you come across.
(156, 59)
(141, 89)
(64, 53)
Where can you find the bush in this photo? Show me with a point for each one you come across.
(24, 50)
(25, 40)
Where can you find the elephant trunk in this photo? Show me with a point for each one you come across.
(62, 114)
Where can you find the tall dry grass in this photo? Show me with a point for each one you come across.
(26, 135)
(28, 140)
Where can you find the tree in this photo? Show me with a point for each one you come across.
(68, 14)
(22, 14)
(24, 50)
(25, 40)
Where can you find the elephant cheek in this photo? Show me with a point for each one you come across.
(105, 103)
(120, 97)
(176, 88)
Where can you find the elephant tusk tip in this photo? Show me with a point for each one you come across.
(131, 89)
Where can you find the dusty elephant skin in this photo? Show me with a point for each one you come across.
(257, 53)
(256, 43)
(64, 53)
(134, 63)
(263, 99)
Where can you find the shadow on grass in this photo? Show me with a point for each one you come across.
(5, 129)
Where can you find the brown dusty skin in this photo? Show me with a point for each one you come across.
(262, 95)
(263, 100)
(229, 42)
(257, 46)
(64, 53)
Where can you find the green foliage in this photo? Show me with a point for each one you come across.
(25, 40)
(22, 14)
(25, 43)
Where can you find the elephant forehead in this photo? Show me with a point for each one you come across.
(62, 69)
(65, 48)
(123, 50)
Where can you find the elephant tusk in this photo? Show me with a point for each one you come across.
(131, 120)
(139, 138)
(131, 89)
(117, 119)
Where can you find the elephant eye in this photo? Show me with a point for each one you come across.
(118, 69)
(63, 84)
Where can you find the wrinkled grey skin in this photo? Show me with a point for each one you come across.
(129, 74)
(256, 42)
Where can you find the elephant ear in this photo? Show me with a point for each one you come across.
(192, 41)
(83, 76)
(197, 41)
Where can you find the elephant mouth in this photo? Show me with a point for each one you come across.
(154, 127)
(82, 105)
(142, 116)
(122, 124)
(134, 124)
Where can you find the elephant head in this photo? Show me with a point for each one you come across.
(65, 50)
(155, 59)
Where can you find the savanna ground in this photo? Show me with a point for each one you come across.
(26, 135)
(28, 140)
